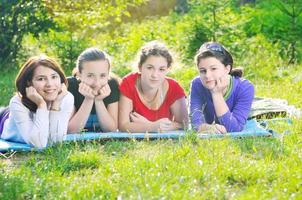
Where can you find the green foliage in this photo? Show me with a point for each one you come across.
(67, 47)
(89, 17)
(190, 168)
(280, 22)
(19, 18)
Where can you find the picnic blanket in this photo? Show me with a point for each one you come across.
(251, 129)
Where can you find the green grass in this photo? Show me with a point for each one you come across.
(189, 168)
(249, 168)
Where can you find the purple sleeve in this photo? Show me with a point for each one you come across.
(196, 105)
(235, 120)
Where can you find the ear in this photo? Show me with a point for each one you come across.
(228, 68)
(140, 69)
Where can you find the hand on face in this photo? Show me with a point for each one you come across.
(62, 93)
(86, 91)
(103, 92)
(220, 85)
(34, 96)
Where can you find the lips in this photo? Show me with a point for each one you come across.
(209, 82)
(50, 91)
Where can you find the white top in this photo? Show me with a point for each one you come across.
(40, 128)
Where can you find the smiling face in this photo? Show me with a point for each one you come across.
(95, 74)
(47, 82)
(153, 71)
(211, 69)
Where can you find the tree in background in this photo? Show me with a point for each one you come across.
(292, 9)
(18, 18)
(81, 23)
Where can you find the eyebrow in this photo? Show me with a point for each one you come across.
(208, 66)
(46, 75)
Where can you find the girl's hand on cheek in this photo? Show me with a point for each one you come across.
(62, 93)
(103, 92)
(35, 97)
(221, 85)
(56, 103)
(86, 91)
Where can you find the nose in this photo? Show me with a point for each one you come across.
(154, 73)
(49, 82)
(97, 82)
(208, 74)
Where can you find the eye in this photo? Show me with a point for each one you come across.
(54, 76)
(103, 75)
(162, 69)
(40, 79)
(90, 75)
(202, 71)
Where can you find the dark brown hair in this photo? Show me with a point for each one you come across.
(90, 54)
(154, 48)
(218, 51)
(26, 73)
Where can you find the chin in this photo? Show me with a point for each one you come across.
(50, 97)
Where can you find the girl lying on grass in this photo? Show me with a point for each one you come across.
(220, 101)
(39, 113)
(150, 101)
(96, 94)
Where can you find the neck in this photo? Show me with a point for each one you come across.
(149, 95)
(146, 90)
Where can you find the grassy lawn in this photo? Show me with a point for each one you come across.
(189, 168)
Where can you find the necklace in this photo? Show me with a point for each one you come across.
(141, 92)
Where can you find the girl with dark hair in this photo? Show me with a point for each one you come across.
(150, 101)
(96, 94)
(220, 100)
(39, 113)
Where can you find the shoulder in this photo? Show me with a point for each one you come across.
(243, 84)
(68, 100)
(68, 96)
(128, 81)
(72, 80)
(15, 100)
(73, 83)
(243, 88)
(196, 84)
(196, 81)
(16, 104)
(172, 82)
(130, 77)
(174, 88)
(113, 83)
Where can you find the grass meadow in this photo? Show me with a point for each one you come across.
(187, 168)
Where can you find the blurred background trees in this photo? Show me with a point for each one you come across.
(264, 36)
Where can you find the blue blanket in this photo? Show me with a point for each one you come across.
(251, 129)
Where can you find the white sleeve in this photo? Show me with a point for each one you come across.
(58, 120)
(32, 127)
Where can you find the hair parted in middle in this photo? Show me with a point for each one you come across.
(154, 48)
(91, 54)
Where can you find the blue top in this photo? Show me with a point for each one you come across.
(239, 102)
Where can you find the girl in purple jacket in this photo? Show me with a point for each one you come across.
(220, 100)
